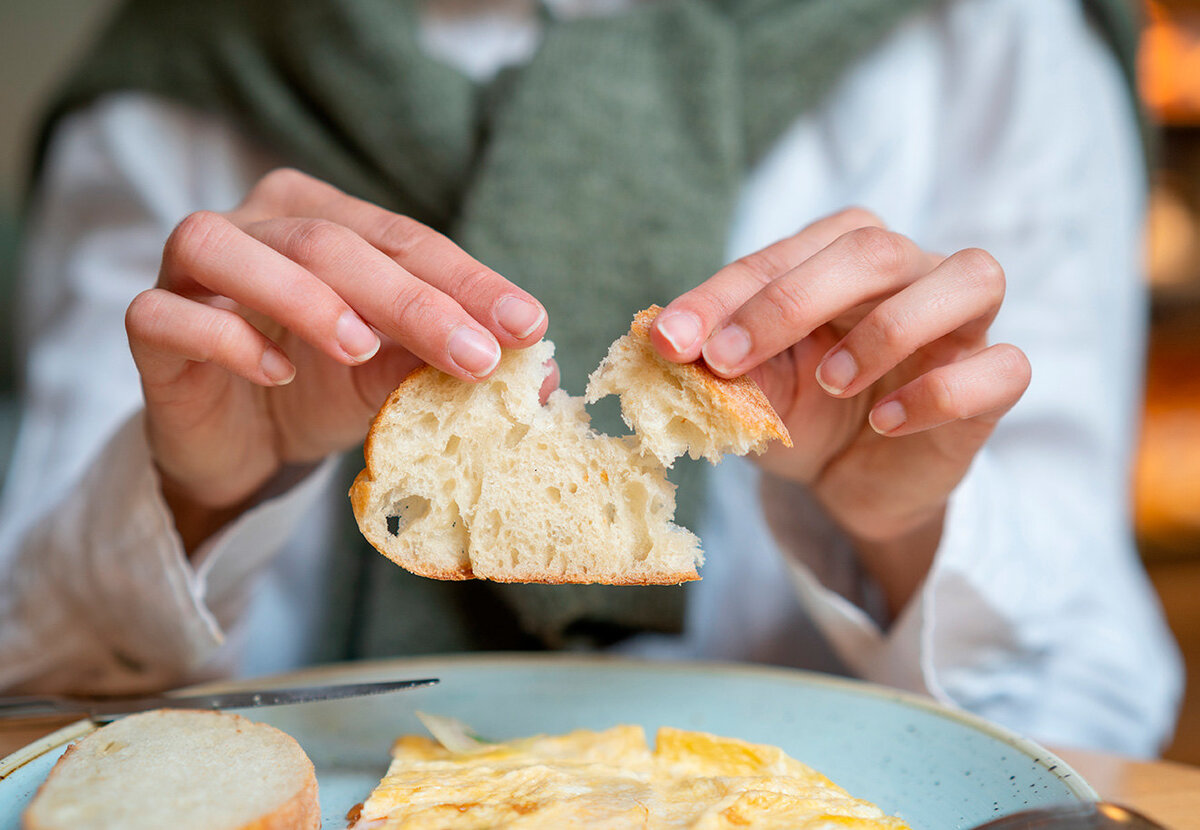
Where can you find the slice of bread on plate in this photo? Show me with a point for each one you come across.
(180, 769)
(482, 481)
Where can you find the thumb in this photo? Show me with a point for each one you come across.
(376, 378)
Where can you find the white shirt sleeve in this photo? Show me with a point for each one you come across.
(1036, 613)
(95, 590)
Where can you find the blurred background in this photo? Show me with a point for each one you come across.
(1167, 476)
(39, 39)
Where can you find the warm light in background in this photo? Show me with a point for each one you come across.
(1169, 62)
(1169, 82)
(1167, 475)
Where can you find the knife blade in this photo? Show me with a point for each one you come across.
(106, 709)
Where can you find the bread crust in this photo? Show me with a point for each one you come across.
(739, 396)
(300, 812)
(627, 578)
(360, 504)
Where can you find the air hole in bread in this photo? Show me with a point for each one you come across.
(515, 435)
(554, 495)
(642, 552)
(636, 496)
(686, 433)
(404, 512)
(452, 444)
(610, 513)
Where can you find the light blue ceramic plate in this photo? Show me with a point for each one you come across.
(936, 768)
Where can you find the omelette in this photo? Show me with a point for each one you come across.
(606, 779)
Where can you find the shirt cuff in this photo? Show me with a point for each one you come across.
(846, 607)
(227, 562)
(894, 656)
(112, 556)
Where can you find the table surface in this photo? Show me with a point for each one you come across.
(1167, 792)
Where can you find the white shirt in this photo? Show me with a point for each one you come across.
(1002, 124)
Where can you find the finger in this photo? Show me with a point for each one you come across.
(858, 266)
(206, 251)
(376, 380)
(960, 296)
(509, 312)
(167, 332)
(550, 382)
(682, 327)
(981, 387)
(424, 320)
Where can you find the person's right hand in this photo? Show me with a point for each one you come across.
(277, 330)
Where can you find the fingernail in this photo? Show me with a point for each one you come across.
(356, 338)
(727, 348)
(837, 372)
(887, 417)
(277, 367)
(679, 328)
(518, 316)
(475, 353)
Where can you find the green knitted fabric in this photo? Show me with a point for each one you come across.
(600, 176)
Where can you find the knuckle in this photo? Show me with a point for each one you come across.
(399, 235)
(789, 298)
(313, 239)
(472, 281)
(880, 250)
(856, 216)
(761, 266)
(944, 397)
(194, 237)
(414, 311)
(221, 336)
(279, 182)
(892, 330)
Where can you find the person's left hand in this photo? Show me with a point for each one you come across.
(875, 354)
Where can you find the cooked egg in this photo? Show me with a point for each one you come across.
(610, 779)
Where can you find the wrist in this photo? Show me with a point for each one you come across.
(900, 561)
(196, 520)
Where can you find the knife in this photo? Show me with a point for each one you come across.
(109, 708)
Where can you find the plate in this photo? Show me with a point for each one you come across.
(935, 767)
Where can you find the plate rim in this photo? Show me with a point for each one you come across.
(1037, 752)
(1072, 780)
(13, 762)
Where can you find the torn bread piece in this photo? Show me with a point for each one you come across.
(678, 408)
(481, 481)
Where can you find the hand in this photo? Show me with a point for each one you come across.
(875, 355)
(276, 331)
